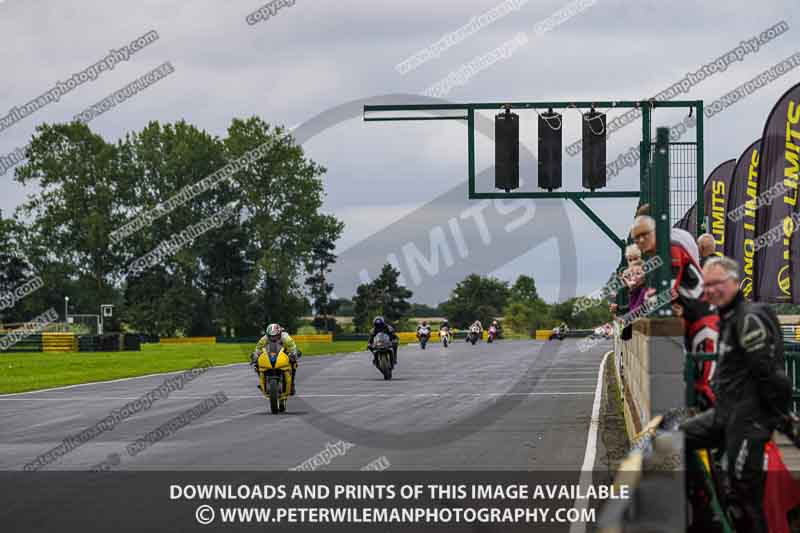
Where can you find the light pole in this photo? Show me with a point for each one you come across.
(66, 311)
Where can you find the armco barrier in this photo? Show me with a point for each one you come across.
(189, 340)
(59, 342)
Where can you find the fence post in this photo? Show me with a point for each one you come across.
(660, 212)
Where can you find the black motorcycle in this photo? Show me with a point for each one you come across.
(382, 348)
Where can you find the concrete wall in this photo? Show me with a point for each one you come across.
(651, 370)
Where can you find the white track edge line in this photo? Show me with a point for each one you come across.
(591, 446)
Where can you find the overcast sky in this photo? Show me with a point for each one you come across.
(315, 56)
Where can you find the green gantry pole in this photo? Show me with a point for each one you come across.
(701, 221)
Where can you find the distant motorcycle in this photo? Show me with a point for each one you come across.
(473, 335)
(559, 333)
(382, 348)
(444, 335)
(492, 334)
(423, 334)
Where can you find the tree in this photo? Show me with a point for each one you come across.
(344, 307)
(524, 290)
(284, 193)
(201, 279)
(232, 278)
(14, 270)
(523, 319)
(71, 213)
(476, 298)
(392, 296)
(587, 319)
(384, 296)
(526, 311)
(424, 311)
(366, 305)
(319, 265)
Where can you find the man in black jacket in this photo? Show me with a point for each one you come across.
(379, 325)
(752, 392)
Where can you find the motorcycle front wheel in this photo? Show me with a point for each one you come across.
(386, 367)
(274, 393)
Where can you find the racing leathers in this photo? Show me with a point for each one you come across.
(389, 330)
(476, 324)
(700, 319)
(289, 346)
(752, 397)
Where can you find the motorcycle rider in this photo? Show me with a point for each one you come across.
(476, 324)
(379, 325)
(275, 333)
(444, 328)
(496, 327)
(752, 392)
(423, 325)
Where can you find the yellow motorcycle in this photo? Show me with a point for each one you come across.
(275, 376)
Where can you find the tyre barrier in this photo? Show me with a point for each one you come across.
(31, 343)
(59, 342)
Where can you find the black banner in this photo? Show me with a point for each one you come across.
(715, 201)
(683, 223)
(692, 222)
(740, 224)
(777, 257)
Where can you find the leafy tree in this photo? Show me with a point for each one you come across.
(392, 296)
(384, 296)
(476, 298)
(424, 311)
(319, 265)
(524, 290)
(526, 311)
(71, 214)
(284, 192)
(155, 164)
(344, 307)
(232, 279)
(366, 305)
(587, 319)
(14, 269)
(522, 318)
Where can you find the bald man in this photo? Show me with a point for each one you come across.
(707, 246)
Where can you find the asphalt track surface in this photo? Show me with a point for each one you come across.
(511, 405)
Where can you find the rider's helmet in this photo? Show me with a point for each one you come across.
(424, 323)
(494, 322)
(379, 323)
(444, 324)
(274, 332)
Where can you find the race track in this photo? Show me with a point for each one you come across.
(523, 405)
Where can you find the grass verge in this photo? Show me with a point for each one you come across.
(20, 372)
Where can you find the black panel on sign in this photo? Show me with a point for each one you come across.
(550, 151)
(506, 151)
(594, 150)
